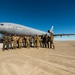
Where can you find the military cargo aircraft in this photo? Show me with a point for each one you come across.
(12, 28)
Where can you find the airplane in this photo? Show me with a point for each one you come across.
(12, 28)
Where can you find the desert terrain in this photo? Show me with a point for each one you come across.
(42, 61)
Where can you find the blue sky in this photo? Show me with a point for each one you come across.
(41, 14)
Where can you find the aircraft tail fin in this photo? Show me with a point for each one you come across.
(51, 30)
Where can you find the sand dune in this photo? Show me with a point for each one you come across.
(42, 61)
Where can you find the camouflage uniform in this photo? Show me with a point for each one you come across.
(35, 41)
(43, 40)
(14, 41)
(51, 42)
(46, 40)
(38, 41)
(17, 41)
(5, 42)
(20, 42)
(10, 41)
(27, 41)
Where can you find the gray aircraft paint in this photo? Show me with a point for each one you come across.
(13, 28)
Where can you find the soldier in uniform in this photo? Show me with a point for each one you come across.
(35, 41)
(20, 42)
(23, 41)
(38, 41)
(5, 42)
(27, 41)
(17, 41)
(14, 41)
(10, 41)
(43, 40)
(52, 42)
(46, 40)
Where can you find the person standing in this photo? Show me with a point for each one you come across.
(52, 41)
(20, 41)
(46, 41)
(27, 41)
(5, 42)
(10, 41)
(35, 41)
(14, 41)
(38, 41)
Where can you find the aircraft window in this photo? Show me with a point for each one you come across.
(1, 24)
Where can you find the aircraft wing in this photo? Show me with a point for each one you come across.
(63, 34)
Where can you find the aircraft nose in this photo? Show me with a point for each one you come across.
(1, 27)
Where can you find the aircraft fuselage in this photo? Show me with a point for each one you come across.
(12, 28)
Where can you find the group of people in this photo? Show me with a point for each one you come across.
(36, 41)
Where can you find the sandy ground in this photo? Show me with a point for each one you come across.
(42, 61)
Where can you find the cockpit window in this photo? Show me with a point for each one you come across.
(1, 24)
